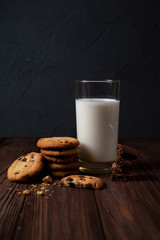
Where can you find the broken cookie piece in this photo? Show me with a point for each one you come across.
(26, 192)
(82, 181)
(47, 179)
(126, 151)
(124, 176)
(125, 166)
(122, 164)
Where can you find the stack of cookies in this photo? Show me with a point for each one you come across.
(61, 155)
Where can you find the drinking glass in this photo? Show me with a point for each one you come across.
(97, 118)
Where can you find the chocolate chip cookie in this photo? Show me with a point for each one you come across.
(58, 143)
(61, 159)
(62, 166)
(25, 167)
(60, 174)
(82, 181)
(61, 153)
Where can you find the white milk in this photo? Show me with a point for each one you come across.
(97, 128)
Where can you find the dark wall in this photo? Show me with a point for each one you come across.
(45, 45)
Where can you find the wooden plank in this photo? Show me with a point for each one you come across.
(66, 214)
(129, 210)
(70, 213)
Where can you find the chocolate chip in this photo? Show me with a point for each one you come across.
(82, 177)
(71, 184)
(90, 177)
(16, 173)
(24, 160)
(66, 141)
(25, 165)
(69, 179)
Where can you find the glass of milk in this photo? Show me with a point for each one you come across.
(97, 116)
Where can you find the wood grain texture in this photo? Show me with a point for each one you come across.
(122, 210)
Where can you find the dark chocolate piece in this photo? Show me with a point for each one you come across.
(69, 179)
(126, 151)
(82, 178)
(123, 164)
(128, 176)
(24, 160)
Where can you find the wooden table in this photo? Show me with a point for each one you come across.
(122, 210)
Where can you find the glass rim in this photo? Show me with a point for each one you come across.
(98, 81)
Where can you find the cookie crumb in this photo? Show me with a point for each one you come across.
(40, 193)
(47, 179)
(26, 192)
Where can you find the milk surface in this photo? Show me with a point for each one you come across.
(97, 129)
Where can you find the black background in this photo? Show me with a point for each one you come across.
(46, 45)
